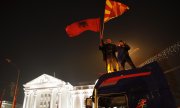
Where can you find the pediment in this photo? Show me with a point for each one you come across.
(43, 81)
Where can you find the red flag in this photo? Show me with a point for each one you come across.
(113, 9)
(77, 28)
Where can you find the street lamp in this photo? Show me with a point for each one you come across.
(17, 81)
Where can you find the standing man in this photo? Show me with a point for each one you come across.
(109, 55)
(123, 55)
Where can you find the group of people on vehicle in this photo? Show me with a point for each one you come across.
(115, 55)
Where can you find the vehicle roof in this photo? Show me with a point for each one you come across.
(147, 78)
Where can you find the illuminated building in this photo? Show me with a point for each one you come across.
(79, 94)
(7, 104)
(49, 92)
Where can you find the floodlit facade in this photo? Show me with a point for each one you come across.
(79, 95)
(7, 104)
(49, 92)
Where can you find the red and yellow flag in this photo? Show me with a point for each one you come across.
(114, 9)
(76, 28)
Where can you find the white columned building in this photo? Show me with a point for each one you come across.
(46, 91)
(79, 95)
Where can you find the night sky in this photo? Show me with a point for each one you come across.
(33, 36)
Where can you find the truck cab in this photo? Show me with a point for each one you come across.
(144, 87)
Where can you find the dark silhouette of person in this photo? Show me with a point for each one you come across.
(109, 55)
(123, 54)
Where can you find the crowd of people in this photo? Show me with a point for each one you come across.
(115, 55)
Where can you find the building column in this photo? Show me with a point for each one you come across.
(35, 95)
(73, 98)
(30, 103)
(25, 99)
(51, 101)
(82, 98)
(59, 100)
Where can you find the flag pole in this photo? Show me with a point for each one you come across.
(100, 34)
(102, 25)
(102, 31)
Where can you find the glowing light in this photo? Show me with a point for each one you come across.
(171, 50)
(133, 51)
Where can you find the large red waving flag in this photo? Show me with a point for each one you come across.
(114, 9)
(77, 28)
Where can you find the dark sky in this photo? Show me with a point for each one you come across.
(33, 36)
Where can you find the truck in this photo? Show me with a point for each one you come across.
(144, 87)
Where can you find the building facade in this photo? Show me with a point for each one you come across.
(7, 104)
(49, 92)
(79, 95)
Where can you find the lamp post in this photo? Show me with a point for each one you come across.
(2, 97)
(17, 81)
